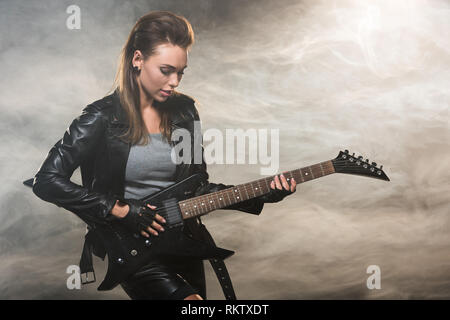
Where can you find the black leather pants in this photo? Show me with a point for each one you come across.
(167, 279)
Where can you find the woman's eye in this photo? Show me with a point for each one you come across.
(168, 72)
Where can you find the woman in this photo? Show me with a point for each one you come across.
(122, 144)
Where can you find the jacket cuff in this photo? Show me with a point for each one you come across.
(107, 203)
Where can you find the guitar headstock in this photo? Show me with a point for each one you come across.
(348, 163)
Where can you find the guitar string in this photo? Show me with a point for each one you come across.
(248, 188)
(223, 193)
(210, 195)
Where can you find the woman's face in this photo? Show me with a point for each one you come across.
(161, 72)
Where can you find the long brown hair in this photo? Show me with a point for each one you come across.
(151, 30)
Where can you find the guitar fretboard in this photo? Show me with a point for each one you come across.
(204, 204)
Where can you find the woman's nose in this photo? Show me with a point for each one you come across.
(174, 80)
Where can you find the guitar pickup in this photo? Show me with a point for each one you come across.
(171, 212)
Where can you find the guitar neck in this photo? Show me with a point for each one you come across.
(204, 204)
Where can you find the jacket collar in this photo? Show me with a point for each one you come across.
(119, 115)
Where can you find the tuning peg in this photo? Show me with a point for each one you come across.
(353, 154)
(381, 167)
(346, 151)
(367, 160)
(360, 157)
(374, 164)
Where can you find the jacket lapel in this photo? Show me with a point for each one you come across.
(118, 150)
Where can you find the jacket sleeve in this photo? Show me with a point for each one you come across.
(253, 206)
(52, 181)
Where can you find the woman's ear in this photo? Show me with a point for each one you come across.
(138, 58)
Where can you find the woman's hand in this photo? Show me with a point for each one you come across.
(283, 184)
(280, 189)
(154, 225)
(138, 218)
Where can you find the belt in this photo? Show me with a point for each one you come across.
(89, 248)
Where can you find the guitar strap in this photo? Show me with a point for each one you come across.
(224, 278)
(220, 269)
(86, 265)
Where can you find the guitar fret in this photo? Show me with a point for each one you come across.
(207, 204)
(204, 202)
(267, 185)
(189, 209)
(209, 207)
(196, 208)
(233, 192)
(215, 201)
(258, 188)
(183, 207)
(236, 196)
(241, 190)
(222, 198)
(211, 202)
(250, 188)
(236, 189)
(301, 175)
(227, 193)
(226, 198)
(220, 195)
(231, 196)
(310, 170)
(245, 188)
(292, 175)
(261, 189)
(201, 203)
(321, 168)
(288, 175)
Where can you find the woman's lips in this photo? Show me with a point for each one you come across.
(166, 93)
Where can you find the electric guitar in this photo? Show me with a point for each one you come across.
(128, 252)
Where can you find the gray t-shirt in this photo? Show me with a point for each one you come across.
(149, 168)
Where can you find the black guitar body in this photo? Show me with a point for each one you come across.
(128, 252)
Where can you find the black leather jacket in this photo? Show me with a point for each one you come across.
(90, 143)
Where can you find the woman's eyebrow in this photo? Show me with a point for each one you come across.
(168, 65)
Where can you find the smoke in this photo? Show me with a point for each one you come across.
(368, 76)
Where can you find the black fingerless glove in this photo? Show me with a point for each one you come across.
(139, 217)
(275, 195)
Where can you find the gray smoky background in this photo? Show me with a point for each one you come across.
(368, 76)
